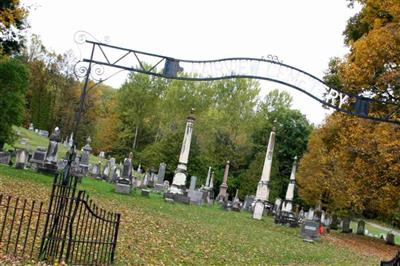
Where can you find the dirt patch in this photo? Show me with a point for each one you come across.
(364, 245)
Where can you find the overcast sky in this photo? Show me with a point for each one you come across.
(304, 34)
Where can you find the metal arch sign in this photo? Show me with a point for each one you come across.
(104, 55)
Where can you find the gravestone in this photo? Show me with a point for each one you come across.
(5, 157)
(310, 230)
(50, 163)
(236, 202)
(123, 186)
(360, 227)
(310, 214)
(23, 141)
(38, 156)
(346, 225)
(196, 197)
(248, 202)
(127, 168)
(21, 159)
(193, 180)
(96, 170)
(31, 128)
(145, 193)
(390, 239)
(102, 155)
(43, 133)
(334, 223)
(61, 164)
(161, 173)
(84, 162)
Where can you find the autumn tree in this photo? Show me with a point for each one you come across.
(350, 163)
(12, 21)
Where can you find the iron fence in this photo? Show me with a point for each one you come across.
(70, 228)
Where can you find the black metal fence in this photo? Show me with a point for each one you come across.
(72, 229)
(393, 262)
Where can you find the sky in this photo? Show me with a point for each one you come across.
(304, 34)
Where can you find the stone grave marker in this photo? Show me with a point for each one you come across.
(21, 159)
(5, 157)
(84, 162)
(310, 230)
(196, 197)
(123, 186)
(161, 173)
(38, 156)
(193, 180)
(346, 225)
(360, 227)
(390, 239)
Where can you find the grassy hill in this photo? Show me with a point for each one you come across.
(154, 232)
(34, 140)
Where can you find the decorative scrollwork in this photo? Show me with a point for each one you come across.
(272, 58)
(96, 71)
(81, 36)
(81, 69)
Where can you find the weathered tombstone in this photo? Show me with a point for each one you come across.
(346, 225)
(50, 163)
(161, 173)
(21, 158)
(123, 186)
(310, 214)
(43, 133)
(323, 218)
(5, 157)
(116, 174)
(23, 141)
(196, 197)
(96, 170)
(145, 193)
(61, 164)
(127, 168)
(310, 230)
(277, 205)
(38, 157)
(31, 128)
(102, 155)
(84, 162)
(335, 222)
(248, 201)
(236, 202)
(360, 227)
(390, 239)
(193, 180)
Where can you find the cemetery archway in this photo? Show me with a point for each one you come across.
(104, 56)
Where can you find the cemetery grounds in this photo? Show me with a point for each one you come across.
(154, 232)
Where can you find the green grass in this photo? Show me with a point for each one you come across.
(34, 140)
(155, 232)
(375, 231)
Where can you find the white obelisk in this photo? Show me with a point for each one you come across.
(208, 178)
(179, 180)
(262, 193)
(288, 203)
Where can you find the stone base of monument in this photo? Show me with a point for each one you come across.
(123, 188)
(20, 165)
(159, 187)
(286, 218)
(48, 168)
(182, 198)
(146, 193)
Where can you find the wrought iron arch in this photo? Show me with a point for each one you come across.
(270, 69)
